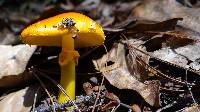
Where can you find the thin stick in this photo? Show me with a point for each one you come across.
(167, 106)
(116, 108)
(98, 94)
(113, 109)
(90, 51)
(189, 89)
(89, 73)
(60, 87)
(35, 98)
(125, 105)
(44, 87)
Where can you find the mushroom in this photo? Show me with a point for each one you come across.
(68, 30)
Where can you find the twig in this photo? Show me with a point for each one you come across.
(35, 98)
(90, 51)
(125, 105)
(79, 100)
(114, 110)
(44, 87)
(189, 89)
(89, 73)
(167, 106)
(101, 83)
(98, 94)
(60, 87)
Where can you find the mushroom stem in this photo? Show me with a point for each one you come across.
(67, 60)
(67, 81)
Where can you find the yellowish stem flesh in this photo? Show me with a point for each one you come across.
(67, 60)
(67, 81)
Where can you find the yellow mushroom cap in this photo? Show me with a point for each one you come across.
(49, 32)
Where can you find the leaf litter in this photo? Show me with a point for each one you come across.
(151, 62)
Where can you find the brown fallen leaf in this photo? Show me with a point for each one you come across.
(160, 10)
(175, 47)
(136, 108)
(108, 106)
(19, 101)
(120, 76)
(165, 25)
(194, 108)
(87, 88)
(15, 80)
(132, 25)
(13, 61)
(135, 60)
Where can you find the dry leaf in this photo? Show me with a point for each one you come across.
(160, 10)
(136, 108)
(19, 101)
(154, 26)
(194, 108)
(120, 76)
(169, 55)
(13, 61)
(135, 60)
(181, 55)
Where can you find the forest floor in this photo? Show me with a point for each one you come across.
(150, 60)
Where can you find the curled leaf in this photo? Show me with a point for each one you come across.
(120, 76)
